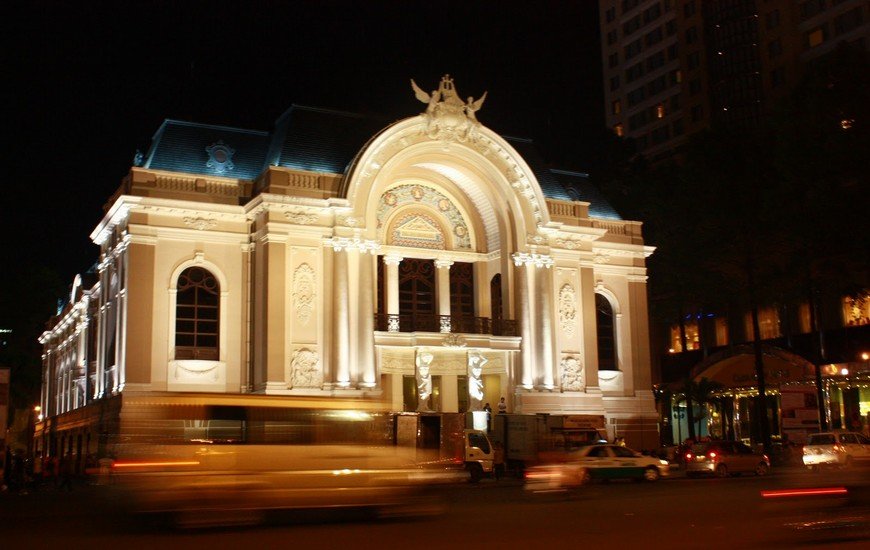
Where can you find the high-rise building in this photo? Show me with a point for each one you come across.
(674, 67)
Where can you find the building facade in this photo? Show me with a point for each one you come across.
(342, 261)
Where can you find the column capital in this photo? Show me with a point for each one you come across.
(393, 259)
(533, 259)
(344, 243)
(442, 263)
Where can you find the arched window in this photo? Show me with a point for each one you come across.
(606, 327)
(196, 315)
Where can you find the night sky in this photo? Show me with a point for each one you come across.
(87, 85)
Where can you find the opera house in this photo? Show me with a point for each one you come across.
(345, 262)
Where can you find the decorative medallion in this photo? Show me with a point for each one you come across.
(305, 369)
(449, 118)
(220, 157)
(572, 373)
(567, 309)
(304, 292)
(454, 340)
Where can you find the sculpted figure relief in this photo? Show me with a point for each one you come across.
(476, 361)
(304, 368)
(424, 380)
(572, 374)
(449, 117)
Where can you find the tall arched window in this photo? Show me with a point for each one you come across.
(196, 315)
(606, 327)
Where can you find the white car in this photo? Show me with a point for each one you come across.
(615, 461)
(837, 448)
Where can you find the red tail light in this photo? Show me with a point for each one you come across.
(712, 454)
(688, 456)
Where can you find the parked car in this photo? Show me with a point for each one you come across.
(838, 448)
(616, 461)
(723, 458)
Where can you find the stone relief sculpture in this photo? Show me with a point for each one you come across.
(567, 309)
(572, 374)
(305, 369)
(301, 217)
(424, 380)
(304, 292)
(476, 361)
(449, 117)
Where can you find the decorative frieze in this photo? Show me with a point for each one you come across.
(200, 224)
(301, 217)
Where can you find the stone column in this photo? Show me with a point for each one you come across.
(590, 331)
(365, 322)
(442, 280)
(392, 261)
(121, 320)
(340, 320)
(523, 281)
(544, 326)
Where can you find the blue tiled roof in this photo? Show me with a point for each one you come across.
(320, 140)
(181, 147)
(550, 185)
(579, 188)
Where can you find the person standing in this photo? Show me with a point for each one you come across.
(502, 406)
(65, 474)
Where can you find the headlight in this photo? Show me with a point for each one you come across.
(664, 463)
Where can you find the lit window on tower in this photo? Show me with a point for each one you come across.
(618, 130)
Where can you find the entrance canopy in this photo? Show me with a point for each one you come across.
(735, 367)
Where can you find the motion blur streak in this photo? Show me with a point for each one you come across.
(155, 464)
(804, 492)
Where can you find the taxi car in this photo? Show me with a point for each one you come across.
(615, 461)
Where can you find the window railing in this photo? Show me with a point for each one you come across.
(445, 323)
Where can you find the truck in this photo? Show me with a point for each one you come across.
(529, 439)
(442, 440)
